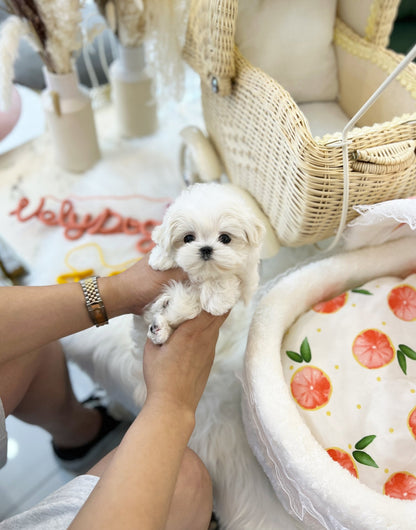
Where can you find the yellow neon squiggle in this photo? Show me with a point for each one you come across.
(76, 275)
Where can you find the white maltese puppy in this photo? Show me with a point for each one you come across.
(215, 237)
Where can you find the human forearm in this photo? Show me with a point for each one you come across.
(33, 316)
(142, 475)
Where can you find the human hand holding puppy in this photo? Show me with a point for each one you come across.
(176, 372)
(215, 238)
(136, 287)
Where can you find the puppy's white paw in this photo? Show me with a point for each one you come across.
(219, 297)
(159, 331)
(176, 304)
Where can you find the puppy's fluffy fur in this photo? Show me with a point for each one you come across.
(212, 234)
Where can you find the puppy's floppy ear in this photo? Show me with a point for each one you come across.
(250, 214)
(254, 229)
(157, 234)
(162, 255)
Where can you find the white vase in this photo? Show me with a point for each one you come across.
(131, 88)
(70, 121)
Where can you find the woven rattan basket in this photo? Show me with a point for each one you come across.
(264, 140)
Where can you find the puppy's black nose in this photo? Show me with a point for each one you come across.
(206, 253)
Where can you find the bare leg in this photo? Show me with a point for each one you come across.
(36, 389)
(191, 506)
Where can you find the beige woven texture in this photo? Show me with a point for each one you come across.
(265, 143)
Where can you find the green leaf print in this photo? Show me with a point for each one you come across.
(361, 291)
(401, 358)
(364, 458)
(362, 444)
(294, 356)
(408, 351)
(305, 350)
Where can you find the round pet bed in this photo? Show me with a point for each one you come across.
(310, 484)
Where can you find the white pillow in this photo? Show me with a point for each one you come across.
(356, 14)
(291, 40)
(381, 222)
(324, 117)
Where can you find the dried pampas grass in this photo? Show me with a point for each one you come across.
(161, 26)
(165, 22)
(125, 18)
(62, 19)
(12, 29)
(54, 29)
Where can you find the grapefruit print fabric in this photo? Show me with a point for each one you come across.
(373, 349)
(350, 367)
(311, 388)
(401, 485)
(411, 422)
(402, 301)
(331, 306)
(344, 459)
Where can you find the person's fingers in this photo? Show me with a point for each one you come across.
(203, 321)
(140, 284)
(171, 274)
(149, 346)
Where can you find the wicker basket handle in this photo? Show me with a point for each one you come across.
(209, 43)
(384, 159)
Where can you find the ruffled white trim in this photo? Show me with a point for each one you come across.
(381, 222)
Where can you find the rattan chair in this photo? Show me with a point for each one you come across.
(264, 141)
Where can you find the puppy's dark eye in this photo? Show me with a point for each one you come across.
(225, 239)
(189, 238)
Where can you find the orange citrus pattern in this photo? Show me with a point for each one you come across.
(341, 395)
(411, 422)
(331, 306)
(311, 387)
(344, 459)
(402, 301)
(401, 485)
(373, 349)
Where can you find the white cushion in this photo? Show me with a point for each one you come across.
(356, 14)
(291, 40)
(324, 117)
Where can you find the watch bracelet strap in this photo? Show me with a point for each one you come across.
(93, 301)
